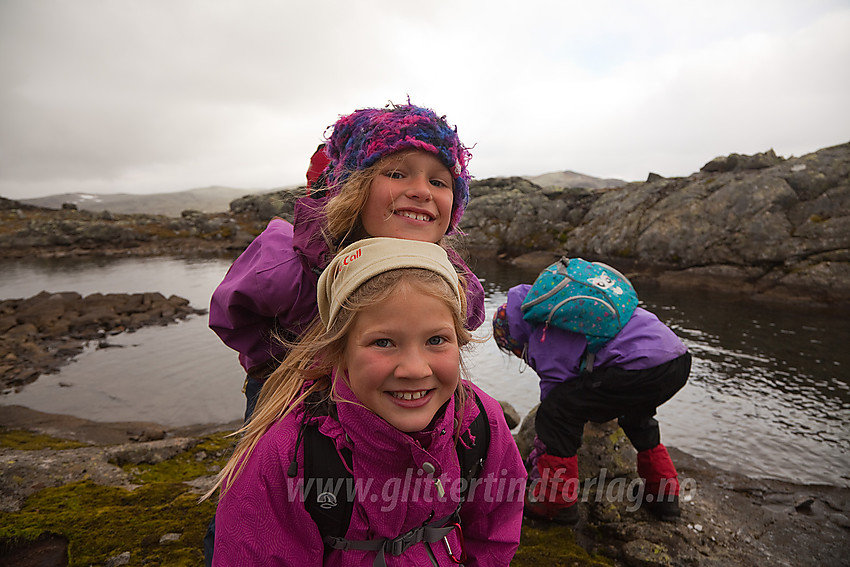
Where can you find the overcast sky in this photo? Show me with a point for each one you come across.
(148, 96)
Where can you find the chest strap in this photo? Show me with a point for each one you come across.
(396, 546)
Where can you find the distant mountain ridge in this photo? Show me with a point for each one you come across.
(205, 199)
(571, 179)
(216, 199)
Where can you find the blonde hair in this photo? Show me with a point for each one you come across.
(342, 211)
(313, 360)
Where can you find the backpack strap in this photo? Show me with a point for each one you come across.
(328, 484)
(587, 363)
(329, 490)
(471, 458)
(428, 533)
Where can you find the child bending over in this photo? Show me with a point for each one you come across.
(639, 369)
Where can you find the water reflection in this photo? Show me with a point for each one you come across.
(769, 393)
(769, 385)
(175, 375)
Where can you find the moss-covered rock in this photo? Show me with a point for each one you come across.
(30, 441)
(146, 511)
(554, 546)
(155, 519)
(100, 522)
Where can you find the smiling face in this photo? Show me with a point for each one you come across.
(402, 357)
(410, 198)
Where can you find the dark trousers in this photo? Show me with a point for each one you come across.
(630, 396)
(252, 393)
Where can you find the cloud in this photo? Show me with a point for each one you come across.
(153, 96)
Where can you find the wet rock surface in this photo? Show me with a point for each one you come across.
(727, 519)
(39, 334)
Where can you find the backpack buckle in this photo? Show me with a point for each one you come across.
(400, 544)
(452, 556)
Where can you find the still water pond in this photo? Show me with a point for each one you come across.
(769, 393)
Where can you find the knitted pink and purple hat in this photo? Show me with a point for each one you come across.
(363, 137)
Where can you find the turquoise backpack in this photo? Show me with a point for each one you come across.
(589, 298)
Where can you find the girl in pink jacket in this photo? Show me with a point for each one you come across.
(380, 375)
(399, 171)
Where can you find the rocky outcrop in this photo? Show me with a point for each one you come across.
(510, 216)
(268, 205)
(761, 225)
(738, 162)
(41, 333)
(27, 231)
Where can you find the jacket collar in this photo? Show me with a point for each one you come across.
(373, 439)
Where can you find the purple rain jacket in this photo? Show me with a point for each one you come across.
(271, 286)
(261, 519)
(645, 342)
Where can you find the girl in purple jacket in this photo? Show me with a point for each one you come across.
(385, 361)
(642, 367)
(399, 171)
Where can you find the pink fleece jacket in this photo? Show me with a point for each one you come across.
(261, 520)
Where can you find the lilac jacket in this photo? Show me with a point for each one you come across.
(645, 342)
(262, 521)
(272, 286)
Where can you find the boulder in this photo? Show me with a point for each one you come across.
(511, 216)
(737, 162)
(761, 225)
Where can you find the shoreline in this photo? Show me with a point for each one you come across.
(63, 426)
(73, 428)
(727, 518)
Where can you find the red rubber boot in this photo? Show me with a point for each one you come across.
(661, 483)
(554, 496)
